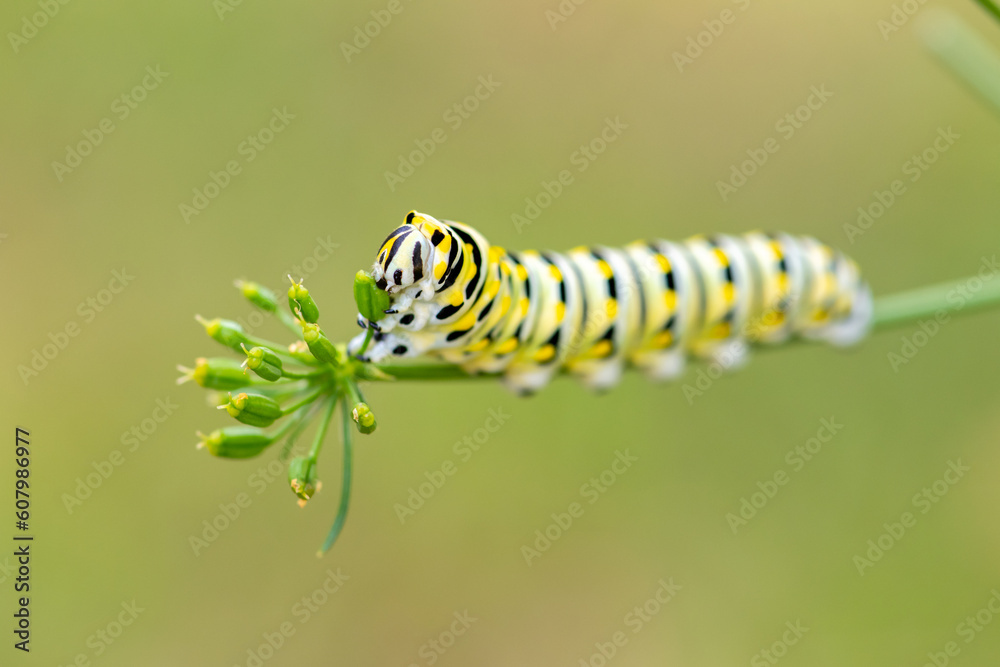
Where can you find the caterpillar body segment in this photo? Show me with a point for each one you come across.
(592, 310)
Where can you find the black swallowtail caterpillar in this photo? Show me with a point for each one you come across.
(592, 309)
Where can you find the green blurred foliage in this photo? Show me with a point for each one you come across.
(322, 181)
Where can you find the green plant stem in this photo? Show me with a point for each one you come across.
(905, 307)
(283, 429)
(309, 398)
(324, 424)
(302, 376)
(970, 57)
(891, 311)
(368, 338)
(301, 421)
(345, 488)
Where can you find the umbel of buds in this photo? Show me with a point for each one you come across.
(280, 390)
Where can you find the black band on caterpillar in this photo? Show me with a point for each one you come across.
(591, 310)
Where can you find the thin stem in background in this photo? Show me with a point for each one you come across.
(324, 424)
(963, 51)
(345, 487)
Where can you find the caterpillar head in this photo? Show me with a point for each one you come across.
(404, 258)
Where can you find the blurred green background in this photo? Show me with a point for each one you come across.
(322, 181)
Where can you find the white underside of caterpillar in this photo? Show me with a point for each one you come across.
(593, 310)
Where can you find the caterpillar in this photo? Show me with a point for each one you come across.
(592, 310)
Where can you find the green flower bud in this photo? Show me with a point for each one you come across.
(258, 295)
(236, 442)
(218, 373)
(364, 418)
(253, 409)
(227, 332)
(300, 301)
(302, 478)
(263, 362)
(320, 345)
(372, 301)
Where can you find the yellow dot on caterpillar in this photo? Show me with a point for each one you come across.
(663, 339)
(729, 292)
(546, 353)
(721, 256)
(670, 299)
(554, 270)
(524, 306)
(602, 349)
(455, 298)
(720, 330)
(507, 346)
(479, 346)
(605, 268)
(496, 252)
(439, 270)
(663, 262)
(560, 311)
(522, 272)
(611, 308)
(466, 322)
(504, 304)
